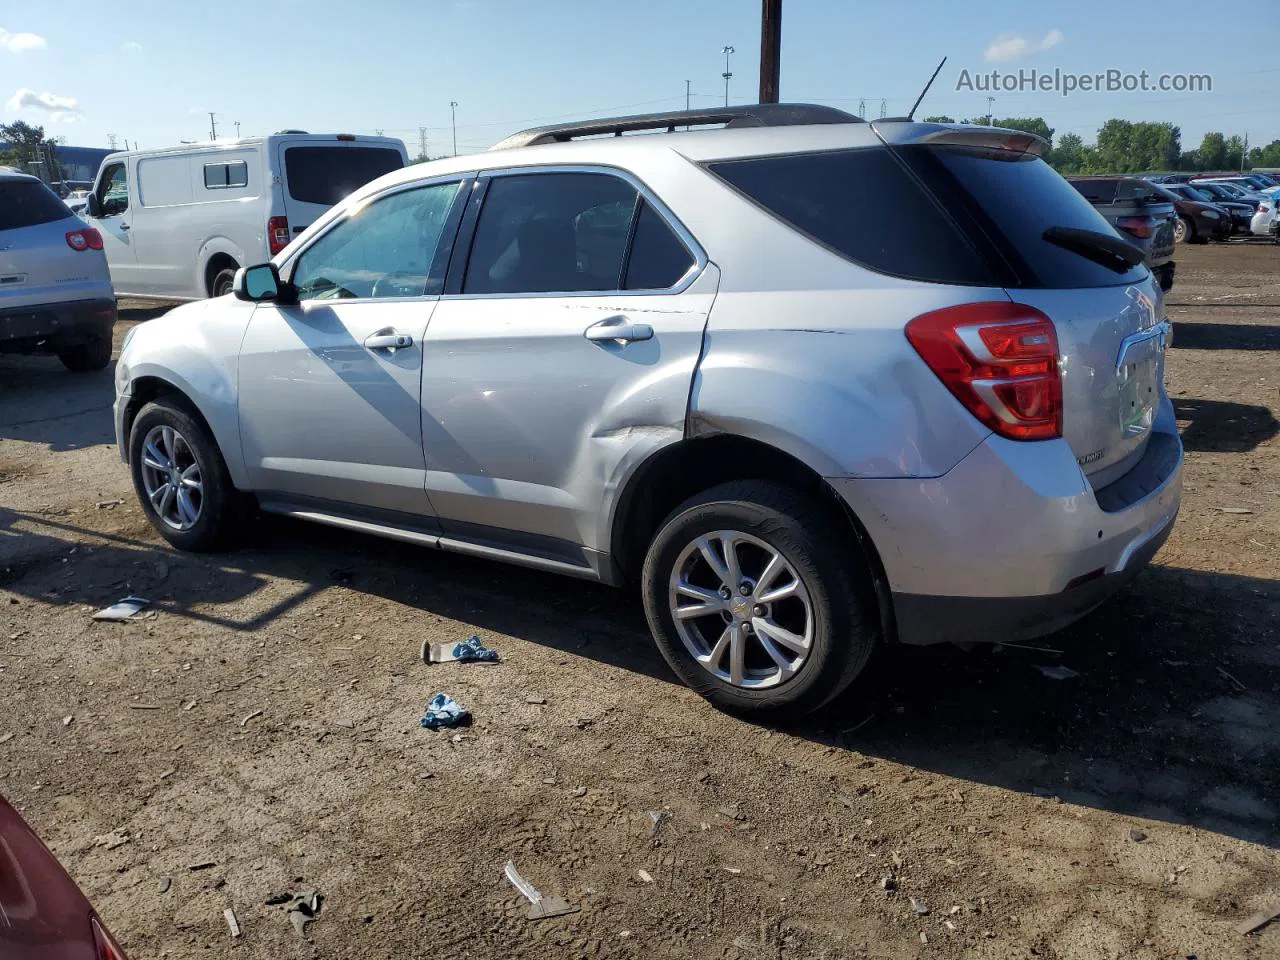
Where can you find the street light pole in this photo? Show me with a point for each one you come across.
(726, 50)
(453, 112)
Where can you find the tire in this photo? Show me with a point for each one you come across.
(1184, 231)
(834, 606)
(219, 507)
(89, 356)
(222, 282)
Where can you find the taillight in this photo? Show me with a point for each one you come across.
(1264, 208)
(1000, 360)
(1140, 227)
(277, 234)
(107, 948)
(85, 239)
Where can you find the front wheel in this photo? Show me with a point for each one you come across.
(1183, 230)
(756, 599)
(181, 479)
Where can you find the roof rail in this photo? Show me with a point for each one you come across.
(748, 115)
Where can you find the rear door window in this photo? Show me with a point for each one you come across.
(658, 257)
(325, 175)
(864, 206)
(1012, 199)
(26, 203)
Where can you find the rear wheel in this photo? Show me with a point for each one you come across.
(181, 479)
(222, 282)
(1183, 230)
(91, 355)
(757, 601)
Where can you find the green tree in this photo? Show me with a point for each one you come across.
(1268, 156)
(1069, 154)
(1212, 154)
(1234, 159)
(1115, 146)
(940, 118)
(21, 143)
(1034, 125)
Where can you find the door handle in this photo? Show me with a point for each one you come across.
(388, 341)
(124, 226)
(620, 329)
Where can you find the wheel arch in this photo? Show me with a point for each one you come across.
(678, 471)
(154, 386)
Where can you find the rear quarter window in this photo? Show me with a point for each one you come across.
(328, 174)
(864, 206)
(26, 203)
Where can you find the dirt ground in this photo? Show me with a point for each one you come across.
(260, 735)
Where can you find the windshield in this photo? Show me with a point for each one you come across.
(322, 174)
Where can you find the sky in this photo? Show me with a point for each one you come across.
(149, 71)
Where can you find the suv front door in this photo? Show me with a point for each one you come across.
(562, 352)
(329, 386)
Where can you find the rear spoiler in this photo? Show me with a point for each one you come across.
(897, 133)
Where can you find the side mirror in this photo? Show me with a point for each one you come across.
(94, 206)
(262, 283)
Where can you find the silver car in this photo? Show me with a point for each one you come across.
(55, 290)
(818, 384)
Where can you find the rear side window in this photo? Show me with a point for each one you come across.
(658, 257)
(1013, 198)
(26, 203)
(862, 205)
(1096, 191)
(220, 176)
(328, 174)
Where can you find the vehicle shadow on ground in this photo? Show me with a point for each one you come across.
(1222, 426)
(1194, 335)
(1171, 713)
(41, 402)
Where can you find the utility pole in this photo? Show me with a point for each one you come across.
(1245, 152)
(453, 120)
(884, 109)
(111, 140)
(990, 101)
(237, 129)
(770, 49)
(687, 84)
(422, 143)
(728, 74)
(213, 127)
(862, 108)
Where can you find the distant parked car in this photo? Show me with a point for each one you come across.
(178, 222)
(1242, 188)
(55, 290)
(1224, 192)
(1266, 219)
(1144, 217)
(1237, 214)
(43, 914)
(817, 384)
(1198, 220)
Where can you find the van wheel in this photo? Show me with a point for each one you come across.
(89, 356)
(757, 601)
(223, 281)
(181, 479)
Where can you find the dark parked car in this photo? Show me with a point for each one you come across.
(43, 914)
(1143, 217)
(1239, 211)
(1198, 220)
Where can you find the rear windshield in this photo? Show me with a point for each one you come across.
(328, 174)
(25, 203)
(863, 205)
(1012, 199)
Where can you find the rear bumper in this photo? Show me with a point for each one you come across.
(55, 327)
(1013, 542)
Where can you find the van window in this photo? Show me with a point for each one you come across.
(113, 190)
(328, 174)
(164, 181)
(219, 176)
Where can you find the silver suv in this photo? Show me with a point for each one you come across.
(817, 383)
(55, 291)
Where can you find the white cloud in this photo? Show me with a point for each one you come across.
(1013, 46)
(59, 109)
(133, 46)
(21, 42)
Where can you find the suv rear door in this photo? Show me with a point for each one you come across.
(563, 349)
(316, 173)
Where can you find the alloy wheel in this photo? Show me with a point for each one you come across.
(741, 610)
(171, 478)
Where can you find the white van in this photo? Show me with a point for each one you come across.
(178, 222)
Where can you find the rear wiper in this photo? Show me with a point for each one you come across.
(1111, 252)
